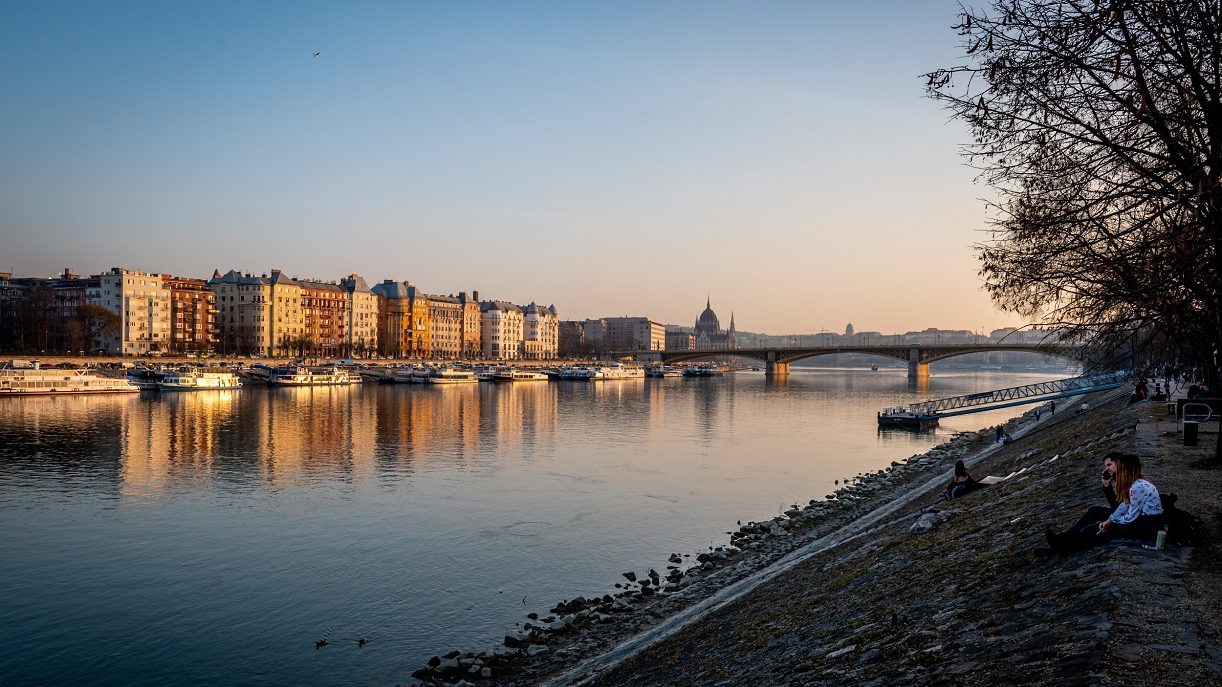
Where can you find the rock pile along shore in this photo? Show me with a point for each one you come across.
(885, 583)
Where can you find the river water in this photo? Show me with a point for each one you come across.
(213, 537)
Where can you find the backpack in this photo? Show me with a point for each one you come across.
(1183, 528)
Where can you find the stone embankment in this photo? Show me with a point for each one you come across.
(883, 582)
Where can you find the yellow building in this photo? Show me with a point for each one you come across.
(403, 320)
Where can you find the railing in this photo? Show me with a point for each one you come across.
(1018, 395)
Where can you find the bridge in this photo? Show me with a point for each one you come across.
(918, 356)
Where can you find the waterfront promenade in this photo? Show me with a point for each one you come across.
(871, 600)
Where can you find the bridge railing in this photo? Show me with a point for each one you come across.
(1059, 387)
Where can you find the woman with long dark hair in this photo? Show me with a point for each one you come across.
(1138, 513)
(961, 482)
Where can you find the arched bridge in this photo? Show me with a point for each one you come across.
(918, 356)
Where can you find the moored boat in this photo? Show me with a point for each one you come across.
(519, 375)
(451, 375)
(200, 379)
(300, 375)
(29, 378)
(905, 418)
(621, 372)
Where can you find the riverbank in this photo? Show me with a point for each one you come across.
(852, 589)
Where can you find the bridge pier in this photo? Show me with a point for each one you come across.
(918, 370)
(776, 369)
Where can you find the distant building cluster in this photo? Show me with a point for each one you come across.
(129, 312)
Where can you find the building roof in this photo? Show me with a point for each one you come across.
(504, 306)
(236, 277)
(393, 289)
(354, 283)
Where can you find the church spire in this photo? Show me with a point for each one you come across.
(708, 302)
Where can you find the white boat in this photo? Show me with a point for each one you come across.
(660, 371)
(145, 377)
(202, 379)
(450, 375)
(300, 375)
(19, 378)
(622, 372)
(580, 373)
(489, 373)
(519, 375)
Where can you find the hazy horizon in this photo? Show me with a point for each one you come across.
(634, 159)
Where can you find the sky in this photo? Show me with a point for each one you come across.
(618, 158)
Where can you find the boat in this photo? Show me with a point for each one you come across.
(29, 378)
(300, 375)
(451, 375)
(905, 418)
(146, 377)
(621, 372)
(659, 371)
(377, 375)
(519, 375)
(260, 372)
(200, 379)
(579, 373)
(488, 373)
(705, 370)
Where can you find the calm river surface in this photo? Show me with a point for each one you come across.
(212, 537)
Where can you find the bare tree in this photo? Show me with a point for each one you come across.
(96, 323)
(1098, 124)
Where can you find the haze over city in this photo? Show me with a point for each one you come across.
(778, 158)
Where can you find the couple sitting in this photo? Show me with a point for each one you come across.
(1138, 515)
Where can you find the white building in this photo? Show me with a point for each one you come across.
(634, 334)
(540, 332)
(501, 326)
(143, 306)
(362, 315)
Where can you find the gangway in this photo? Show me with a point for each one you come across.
(926, 414)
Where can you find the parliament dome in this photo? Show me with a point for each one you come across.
(708, 322)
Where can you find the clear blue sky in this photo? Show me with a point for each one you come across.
(612, 158)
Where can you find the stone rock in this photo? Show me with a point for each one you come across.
(631, 576)
(928, 521)
(840, 652)
(536, 649)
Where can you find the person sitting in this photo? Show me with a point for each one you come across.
(1139, 515)
(961, 482)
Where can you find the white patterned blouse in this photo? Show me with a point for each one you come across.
(1143, 500)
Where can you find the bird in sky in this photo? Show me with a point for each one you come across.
(316, 55)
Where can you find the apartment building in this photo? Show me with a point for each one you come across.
(193, 315)
(143, 307)
(501, 330)
(403, 320)
(362, 331)
(540, 332)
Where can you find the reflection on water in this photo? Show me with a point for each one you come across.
(213, 536)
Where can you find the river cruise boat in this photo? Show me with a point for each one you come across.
(29, 378)
(300, 375)
(702, 371)
(622, 372)
(489, 373)
(377, 375)
(200, 379)
(659, 371)
(519, 375)
(451, 375)
(146, 377)
(905, 418)
(579, 373)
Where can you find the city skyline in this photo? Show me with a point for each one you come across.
(613, 161)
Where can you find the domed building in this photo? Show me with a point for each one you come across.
(709, 333)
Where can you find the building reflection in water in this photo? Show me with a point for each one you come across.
(281, 436)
